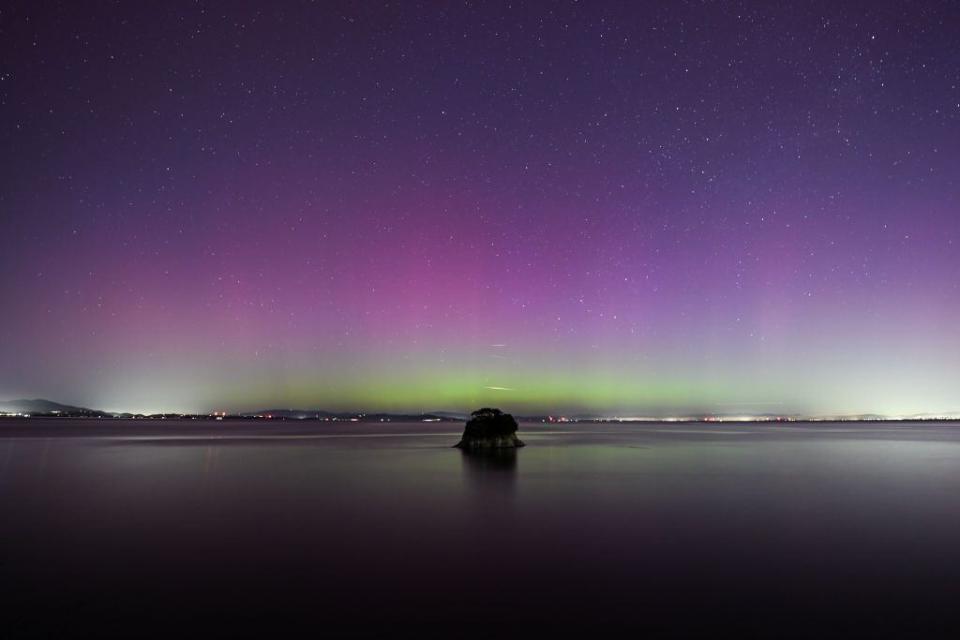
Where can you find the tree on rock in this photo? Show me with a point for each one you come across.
(490, 428)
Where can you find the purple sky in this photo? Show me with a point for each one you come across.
(623, 208)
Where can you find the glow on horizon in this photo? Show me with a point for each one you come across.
(604, 391)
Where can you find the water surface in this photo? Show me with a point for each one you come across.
(200, 528)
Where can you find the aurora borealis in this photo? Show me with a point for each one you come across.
(624, 208)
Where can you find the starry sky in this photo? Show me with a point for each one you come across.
(612, 209)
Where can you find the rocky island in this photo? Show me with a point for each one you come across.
(489, 429)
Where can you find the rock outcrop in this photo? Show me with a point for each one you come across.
(490, 429)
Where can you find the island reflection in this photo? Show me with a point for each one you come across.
(490, 469)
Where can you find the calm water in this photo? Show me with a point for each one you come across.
(218, 529)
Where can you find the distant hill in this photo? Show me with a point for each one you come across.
(40, 406)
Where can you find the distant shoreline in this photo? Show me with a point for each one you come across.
(378, 419)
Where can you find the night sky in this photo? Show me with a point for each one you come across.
(633, 208)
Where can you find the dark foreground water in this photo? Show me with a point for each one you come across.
(127, 529)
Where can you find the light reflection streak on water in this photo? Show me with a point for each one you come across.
(280, 436)
(8, 456)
